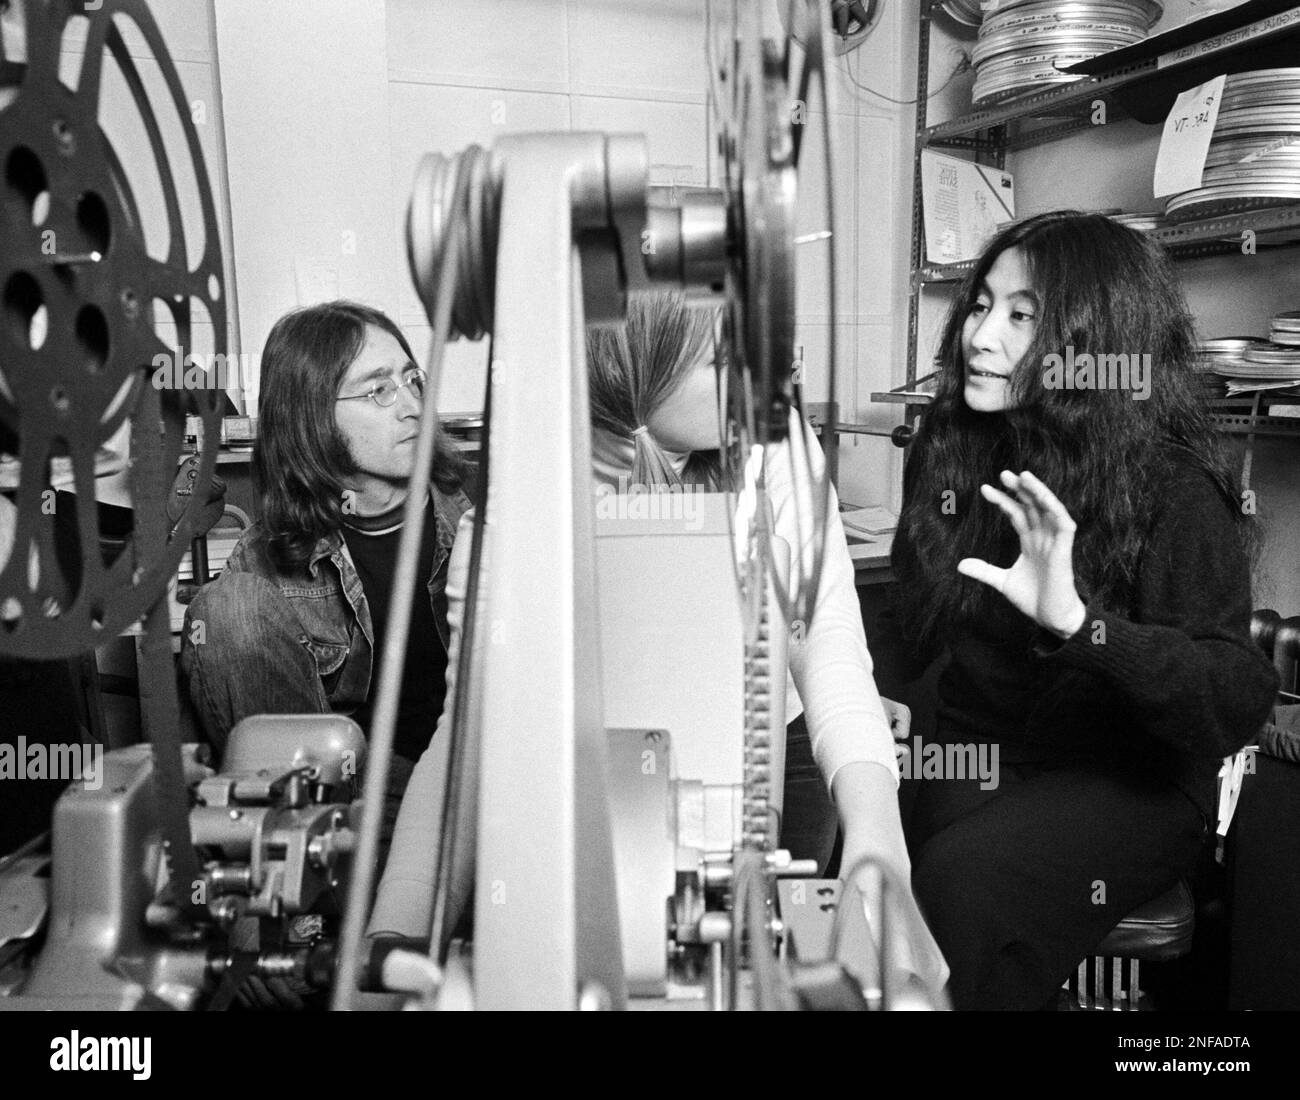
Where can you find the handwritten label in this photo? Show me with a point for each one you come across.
(1186, 138)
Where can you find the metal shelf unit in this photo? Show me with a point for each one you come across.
(1135, 85)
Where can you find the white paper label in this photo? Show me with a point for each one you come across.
(1186, 138)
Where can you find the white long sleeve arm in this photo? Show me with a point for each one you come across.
(831, 680)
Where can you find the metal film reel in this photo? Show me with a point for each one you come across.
(77, 353)
(761, 91)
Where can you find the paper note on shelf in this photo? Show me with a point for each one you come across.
(868, 522)
(1180, 163)
(963, 204)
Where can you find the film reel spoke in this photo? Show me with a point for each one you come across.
(81, 343)
(762, 145)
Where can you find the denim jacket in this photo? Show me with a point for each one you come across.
(330, 605)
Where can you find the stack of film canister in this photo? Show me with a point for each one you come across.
(1254, 156)
(1285, 328)
(1024, 44)
(1279, 359)
(1222, 359)
(1246, 359)
(1225, 355)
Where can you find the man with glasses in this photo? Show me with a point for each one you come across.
(295, 623)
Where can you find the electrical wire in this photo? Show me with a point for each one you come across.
(963, 64)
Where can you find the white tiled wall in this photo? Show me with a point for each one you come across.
(331, 103)
(521, 45)
(463, 71)
(305, 92)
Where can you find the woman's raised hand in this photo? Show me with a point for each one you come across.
(1041, 582)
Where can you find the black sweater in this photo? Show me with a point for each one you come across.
(1169, 689)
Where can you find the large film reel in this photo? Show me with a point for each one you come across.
(79, 342)
(762, 96)
(762, 93)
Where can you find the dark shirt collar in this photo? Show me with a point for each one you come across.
(448, 511)
(382, 523)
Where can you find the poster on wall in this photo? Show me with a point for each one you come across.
(963, 204)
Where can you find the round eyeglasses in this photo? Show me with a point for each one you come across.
(384, 394)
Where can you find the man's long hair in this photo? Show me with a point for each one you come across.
(1102, 289)
(301, 461)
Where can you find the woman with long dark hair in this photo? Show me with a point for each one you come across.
(1072, 537)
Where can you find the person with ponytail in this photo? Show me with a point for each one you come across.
(1073, 540)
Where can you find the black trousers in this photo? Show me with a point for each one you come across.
(1021, 882)
(809, 823)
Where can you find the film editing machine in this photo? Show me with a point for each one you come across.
(638, 844)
